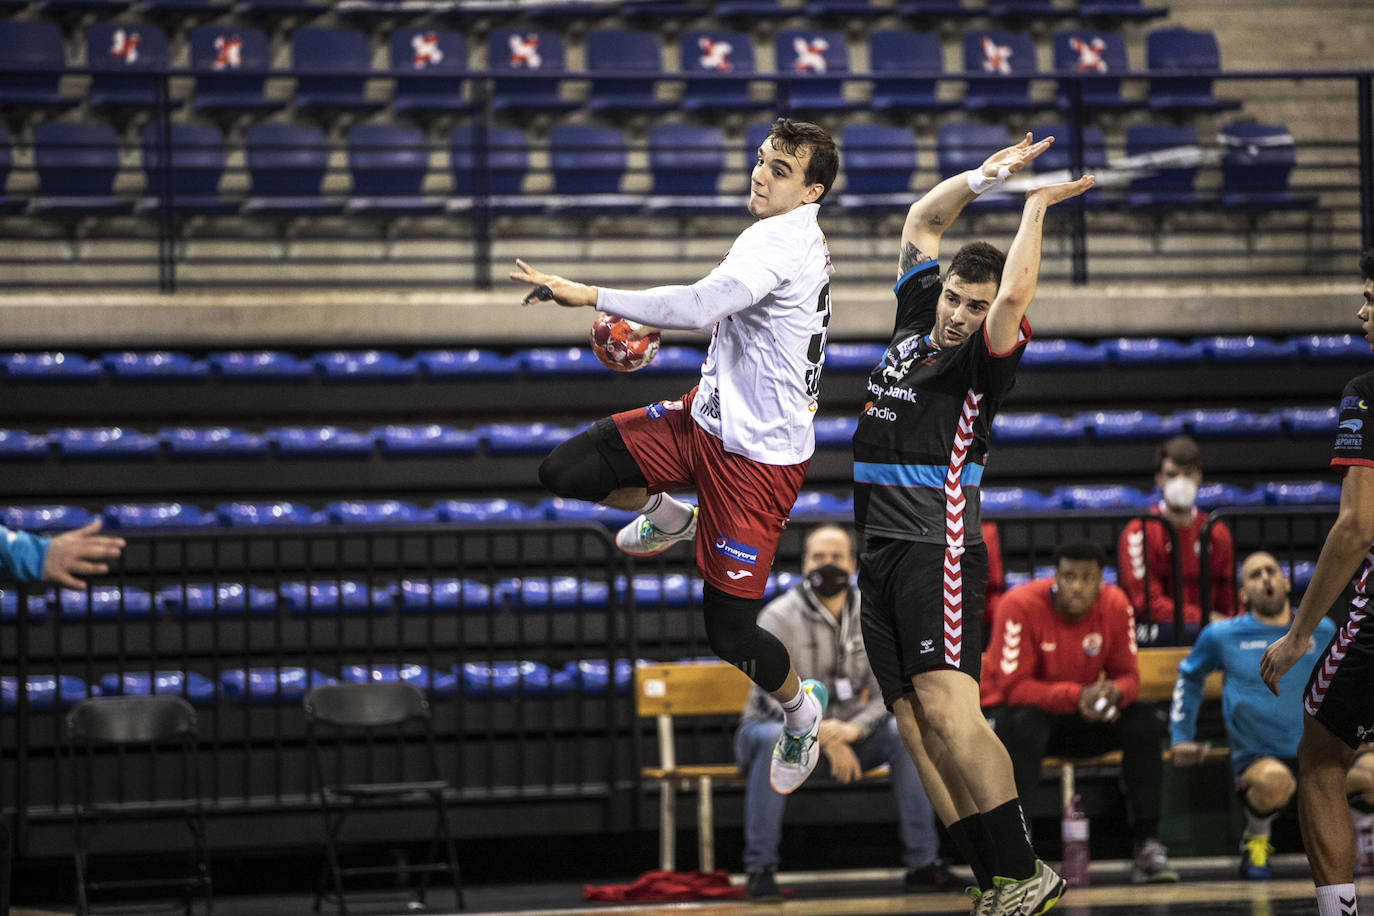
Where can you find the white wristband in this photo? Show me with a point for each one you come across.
(978, 182)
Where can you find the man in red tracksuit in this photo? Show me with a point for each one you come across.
(1065, 655)
(1143, 551)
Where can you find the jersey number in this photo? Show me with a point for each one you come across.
(813, 352)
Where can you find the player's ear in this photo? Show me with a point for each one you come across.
(813, 193)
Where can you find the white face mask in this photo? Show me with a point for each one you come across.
(1180, 493)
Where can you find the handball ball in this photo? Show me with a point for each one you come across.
(611, 342)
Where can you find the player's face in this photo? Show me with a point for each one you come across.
(1366, 313)
(1076, 584)
(1263, 586)
(825, 547)
(962, 310)
(778, 183)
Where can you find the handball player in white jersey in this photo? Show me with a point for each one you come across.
(743, 436)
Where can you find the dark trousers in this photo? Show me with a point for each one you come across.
(1030, 734)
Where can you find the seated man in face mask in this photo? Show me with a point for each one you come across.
(818, 622)
(1145, 567)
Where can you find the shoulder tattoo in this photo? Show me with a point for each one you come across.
(911, 256)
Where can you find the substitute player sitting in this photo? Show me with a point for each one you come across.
(743, 437)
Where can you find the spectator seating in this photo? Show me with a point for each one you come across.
(813, 57)
(717, 51)
(184, 11)
(1255, 166)
(619, 49)
(1164, 188)
(278, 12)
(1010, 57)
(64, 10)
(685, 164)
(124, 56)
(389, 165)
(1183, 50)
(750, 11)
(8, 204)
(1089, 51)
(846, 11)
(588, 165)
(286, 168)
(879, 163)
(524, 51)
(318, 58)
(76, 165)
(1059, 157)
(33, 53)
(961, 147)
(507, 161)
(431, 52)
(193, 171)
(1023, 10)
(938, 10)
(230, 63)
(906, 66)
(1117, 10)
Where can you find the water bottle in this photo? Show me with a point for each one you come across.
(1074, 833)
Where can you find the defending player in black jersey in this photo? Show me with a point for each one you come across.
(918, 460)
(1339, 711)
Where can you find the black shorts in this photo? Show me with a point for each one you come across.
(1340, 690)
(920, 614)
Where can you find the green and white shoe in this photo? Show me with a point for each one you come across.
(795, 756)
(642, 538)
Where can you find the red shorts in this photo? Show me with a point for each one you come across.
(742, 504)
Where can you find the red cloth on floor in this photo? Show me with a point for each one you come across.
(668, 886)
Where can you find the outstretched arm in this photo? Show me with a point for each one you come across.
(930, 216)
(1022, 270)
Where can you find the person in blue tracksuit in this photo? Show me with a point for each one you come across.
(1263, 729)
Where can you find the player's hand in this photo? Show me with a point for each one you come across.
(81, 552)
(1089, 706)
(1187, 753)
(844, 763)
(838, 730)
(551, 286)
(1052, 194)
(1014, 158)
(1281, 655)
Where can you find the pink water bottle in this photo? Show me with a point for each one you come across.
(1074, 833)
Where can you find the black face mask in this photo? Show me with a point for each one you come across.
(828, 580)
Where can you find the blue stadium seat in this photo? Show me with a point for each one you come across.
(1061, 353)
(526, 51)
(185, 12)
(76, 165)
(818, 505)
(261, 365)
(1249, 349)
(505, 164)
(206, 599)
(588, 165)
(319, 58)
(1117, 10)
(105, 602)
(126, 516)
(620, 49)
(685, 163)
(1023, 10)
(1130, 424)
(287, 685)
(1167, 188)
(197, 689)
(286, 167)
(470, 363)
(125, 58)
(657, 13)
(750, 11)
(66, 10)
(320, 441)
(18, 445)
(1332, 347)
(879, 165)
(937, 12)
(45, 691)
(542, 361)
(365, 365)
(962, 147)
(418, 595)
(377, 512)
(8, 205)
(389, 164)
(44, 519)
(511, 678)
(678, 359)
(505, 438)
(717, 51)
(542, 593)
(212, 442)
(1035, 427)
(1102, 497)
(36, 606)
(835, 432)
(994, 500)
(159, 365)
(52, 366)
(1255, 165)
(778, 583)
(812, 58)
(329, 596)
(906, 69)
(1157, 351)
(1213, 495)
(1310, 421)
(1090, 51)
(1303, 493)
(32, 53)
(1008, 55)
(281, 10)
(1228, 422)
(430, 54)
(281, 513)
(431, 439)
(435, 683)
(593, 676)
(195, 164)
(104, 442)
(852, 357)
(558, 509)
(1183, 50)
(653, 590)
(847, 11)
(566, 12)
(494, 511)
(1300, 576)
(230, 64)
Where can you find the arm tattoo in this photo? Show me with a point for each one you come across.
(911, 256)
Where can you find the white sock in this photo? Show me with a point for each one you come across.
(668, 515)
(798, 715)
(1337, 900)
(1256, 825)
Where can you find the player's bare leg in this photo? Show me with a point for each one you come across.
(1323, 815)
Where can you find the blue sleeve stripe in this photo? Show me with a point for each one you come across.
(924, 265)
(913, 475)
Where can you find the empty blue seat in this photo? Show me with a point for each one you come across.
(850, 11)
(322, 60)
(45, 691)
(1133, 10)
(190, 172)
(1228, 422)
(624, 50)
(879, 165)
(322, 441)
(46, 518)
(835, 432)
(431, 439)
(1171, 156)
(1249, 349)
(685, 164)
(32, 54)
(588, 165)
(287, 685)
(261, 365)
(562, 361)
(213, 442)
(526, 51)
(750, 10)
(496, 511)
(558, 509)
(1092, 53)
(594, 676)
(937, 11)
(1300, 576)
(811, 58)
(542, 593)
(1013, 499)
(1024, 9)
(281, 10)
(906, 69)
(286, 168)
(365, 365)
(184, 12)
(197, 689)
(1035, 427)
(36, 606)
(389, 165)
(1255, 164)
(19, 445)
(157, 364)
(1008, 55)
(1130, 424)
(126, 58)
(207, 599)
(54, 366)
(231, 64)
(1061, 353)
(1213, 495)
(435, 683)
(512, 678)
(677, 359)
(851, 357)
(105, 442)
(777, 583)
(1183, 51)
(1159, 351)
(77, 165)
(437, 57)
(281, 513)
(105, 602)
(500, 172)
(818, 505)
(1310, 421)
(471, 363)
(705, 51)
(329, 596)
(654, 590)
(1101, 497)
(418, 595)
(1303, 493)
(125, 516)
(377, 512)
(1332, 347)
(963, 147)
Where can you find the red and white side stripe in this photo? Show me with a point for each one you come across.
(954, 531)
(1336, 653)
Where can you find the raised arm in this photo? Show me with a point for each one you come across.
(930, 216)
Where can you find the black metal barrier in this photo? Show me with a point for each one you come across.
(1293, 534)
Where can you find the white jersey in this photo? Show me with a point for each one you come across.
(762, 373)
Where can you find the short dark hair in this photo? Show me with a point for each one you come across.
(1181, 450)
(1367, 264)
(1081, 550)
(790, 136)
(977, 262)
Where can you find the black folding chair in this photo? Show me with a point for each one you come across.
(112, 785)
(365, 740)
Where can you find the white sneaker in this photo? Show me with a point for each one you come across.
(795, 756)
(1030, 896)
(984, 902)
(641, 537)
